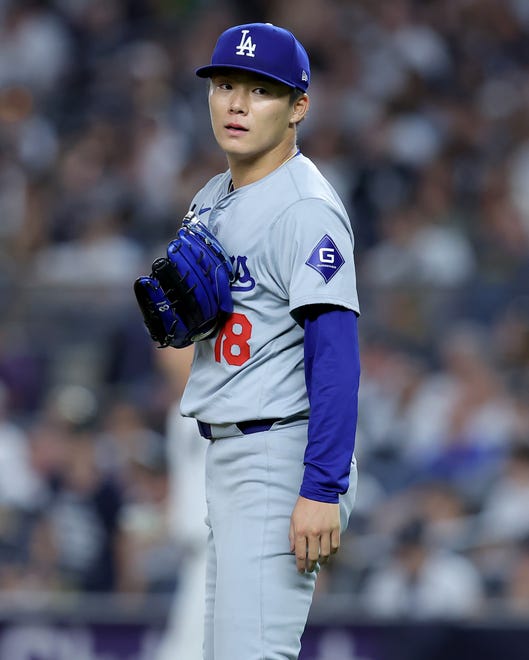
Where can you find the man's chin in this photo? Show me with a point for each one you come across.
(240, 155)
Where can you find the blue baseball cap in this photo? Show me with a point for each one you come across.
(262, 48)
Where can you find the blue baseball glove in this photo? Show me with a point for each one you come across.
(187, 297)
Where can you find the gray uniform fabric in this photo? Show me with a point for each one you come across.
(271, 229)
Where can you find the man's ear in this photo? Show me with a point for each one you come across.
(300, 108)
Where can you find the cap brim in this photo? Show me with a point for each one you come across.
(208, 71)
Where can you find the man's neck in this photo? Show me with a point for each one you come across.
(245, 172)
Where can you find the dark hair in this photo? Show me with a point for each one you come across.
(295, 95)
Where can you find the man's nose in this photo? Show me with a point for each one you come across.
(238, 102)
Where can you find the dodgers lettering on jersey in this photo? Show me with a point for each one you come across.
(291, 244)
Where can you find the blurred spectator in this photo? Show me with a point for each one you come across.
(516, 592)
(504, 515)
(415, 250)
(81, 518)
(461, 421)
(124, 425)
(23, 492)
(35, 46)
(448, 515)
(101, 256)
(148, 558)
(422, 582)
(76, 537)
(19, 485)
(503, 525)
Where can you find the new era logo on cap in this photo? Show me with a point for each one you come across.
(264, 49)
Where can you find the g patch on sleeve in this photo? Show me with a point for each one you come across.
(326, 258)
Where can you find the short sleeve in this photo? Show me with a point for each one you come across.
(314, 246)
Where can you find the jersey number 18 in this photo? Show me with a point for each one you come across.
(232, 342)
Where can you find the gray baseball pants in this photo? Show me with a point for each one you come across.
(256, 601)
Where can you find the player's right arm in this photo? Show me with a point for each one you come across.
(332, 374)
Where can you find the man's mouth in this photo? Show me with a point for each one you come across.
(236, 127)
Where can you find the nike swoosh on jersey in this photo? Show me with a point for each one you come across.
(204, 209)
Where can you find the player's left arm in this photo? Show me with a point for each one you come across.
(332, 374)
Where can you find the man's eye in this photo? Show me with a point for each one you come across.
(260, 90)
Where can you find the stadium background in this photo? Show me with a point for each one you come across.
(419, 118)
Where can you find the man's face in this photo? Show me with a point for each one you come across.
(250, 115)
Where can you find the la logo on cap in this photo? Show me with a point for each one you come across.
(246, 47)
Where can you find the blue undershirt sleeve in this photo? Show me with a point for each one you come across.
(332, 375)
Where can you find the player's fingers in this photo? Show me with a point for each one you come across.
(313, 553)
(292, 538)
(335, 541)
(325, 548)
(301, 553)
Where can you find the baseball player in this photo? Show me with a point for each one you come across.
(275, 389)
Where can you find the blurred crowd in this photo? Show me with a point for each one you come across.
(419, 118)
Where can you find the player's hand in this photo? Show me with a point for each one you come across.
(314, 532)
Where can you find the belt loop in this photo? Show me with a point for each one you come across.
(256, 425)
(204, 429)
(215, 431)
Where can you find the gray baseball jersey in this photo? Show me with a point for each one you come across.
(292, 245)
